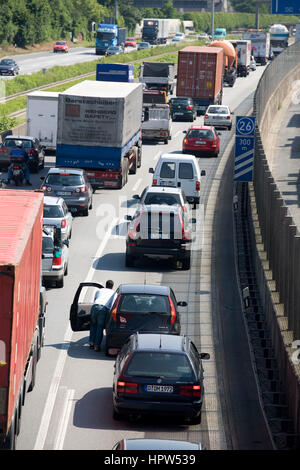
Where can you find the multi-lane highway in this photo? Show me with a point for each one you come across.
(71, 404)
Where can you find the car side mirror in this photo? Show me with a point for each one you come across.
(67, 243)
(136, 196)
(151, 170)
(219, 133)
(42, 178)
(203, 173)
(193, 220)
(204, 355)
(232, 112)
(184, 132)
(182, 304)
(128, 217)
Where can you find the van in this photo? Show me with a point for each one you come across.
(178, 170)
(156, 123)
(220, 33)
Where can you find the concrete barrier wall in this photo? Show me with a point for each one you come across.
(275, 236)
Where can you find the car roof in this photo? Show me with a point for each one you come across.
(166, 208)
(164, 189)
(159, 444)
(52, 200)
(74, 171)
(201, 127)
(160, 342)
(177, 156)
(143, 289)
(20, 137)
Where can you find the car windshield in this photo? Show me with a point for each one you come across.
(163, 198)
(200, 133)
(143, 303)
(52, 212)
(64, 179)
(47, 245)
(6, 62)
(143, 44)
(60, 43)
(160, 364)
(217, 110)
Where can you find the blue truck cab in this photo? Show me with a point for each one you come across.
(115, 73)
(220, 33)
(106, 36)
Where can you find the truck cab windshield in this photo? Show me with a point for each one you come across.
(105, 36)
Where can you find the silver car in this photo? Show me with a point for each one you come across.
(55, 259)
(218, 116)
(56, 213)
(72, 185)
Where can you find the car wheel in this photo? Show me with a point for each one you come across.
(117, 416)
(91, 204)
(70, 234)
(85, 212)
(216, 154)
(229, 128)
(186, 263)
(129, 261)
(60, 282)
(166, 141)
(196, 420)
(66, 270)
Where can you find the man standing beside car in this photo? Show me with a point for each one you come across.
(102, 304)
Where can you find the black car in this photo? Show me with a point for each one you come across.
(183, 109)
(9, 67)
(136, 307)
(159, 231)
(159, 375)
(32, 147)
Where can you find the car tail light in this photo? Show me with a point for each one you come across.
(115, 308)
(3, 150)
(189, 107)
(154, 182)
(31, 152)
(63, 223)
(227, 117)
(206, 116)
(56, 262)
(190, 391)
(185, 235)
(172, 310)
(185, 141)
(82, 189)
(127, 387)
(197, 185)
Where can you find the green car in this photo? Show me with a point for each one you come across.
(182, 109)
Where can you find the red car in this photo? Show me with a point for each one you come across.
(201, 140)
(130, 42)
(61, 46)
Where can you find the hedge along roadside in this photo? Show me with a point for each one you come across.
(19, 103)
(24, 83)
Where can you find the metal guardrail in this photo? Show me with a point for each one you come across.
(277, 237)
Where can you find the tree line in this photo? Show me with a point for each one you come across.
(28, 22)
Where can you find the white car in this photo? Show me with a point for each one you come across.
(55, 258)
(56, 213)
(218, 116)
(252, 63)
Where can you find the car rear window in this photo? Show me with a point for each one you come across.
(217, 110)
(47, 245)
(156, 225)
(160, 364)
(169, 199)
(167, 170)
(27, 144)
(64, 179)
(52, 212)
(143, 303)
(186, 171)
(200, 133)
(184, 101)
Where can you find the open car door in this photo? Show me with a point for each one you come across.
(80, 312)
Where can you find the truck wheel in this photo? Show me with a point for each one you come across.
(166, 141)
(34, 363)
(186, 263)
(132, 170)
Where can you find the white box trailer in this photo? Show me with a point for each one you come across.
(243, 49)
(260, 45)
(41, 117)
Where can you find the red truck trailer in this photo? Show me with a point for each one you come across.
(200, 75)
(21, 319)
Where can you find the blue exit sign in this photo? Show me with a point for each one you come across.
(286, 7)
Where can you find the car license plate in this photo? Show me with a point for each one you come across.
(178, 114)
(200, 142)
(159, 388)
(16, 172)
(167, 183)
(63, 193)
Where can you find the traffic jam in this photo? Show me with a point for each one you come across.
(94, 145)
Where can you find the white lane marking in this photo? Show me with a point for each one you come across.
(50, 402)
(137, 184)
(45, 421)
(63, 424)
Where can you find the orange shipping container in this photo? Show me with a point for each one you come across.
(200, 73)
